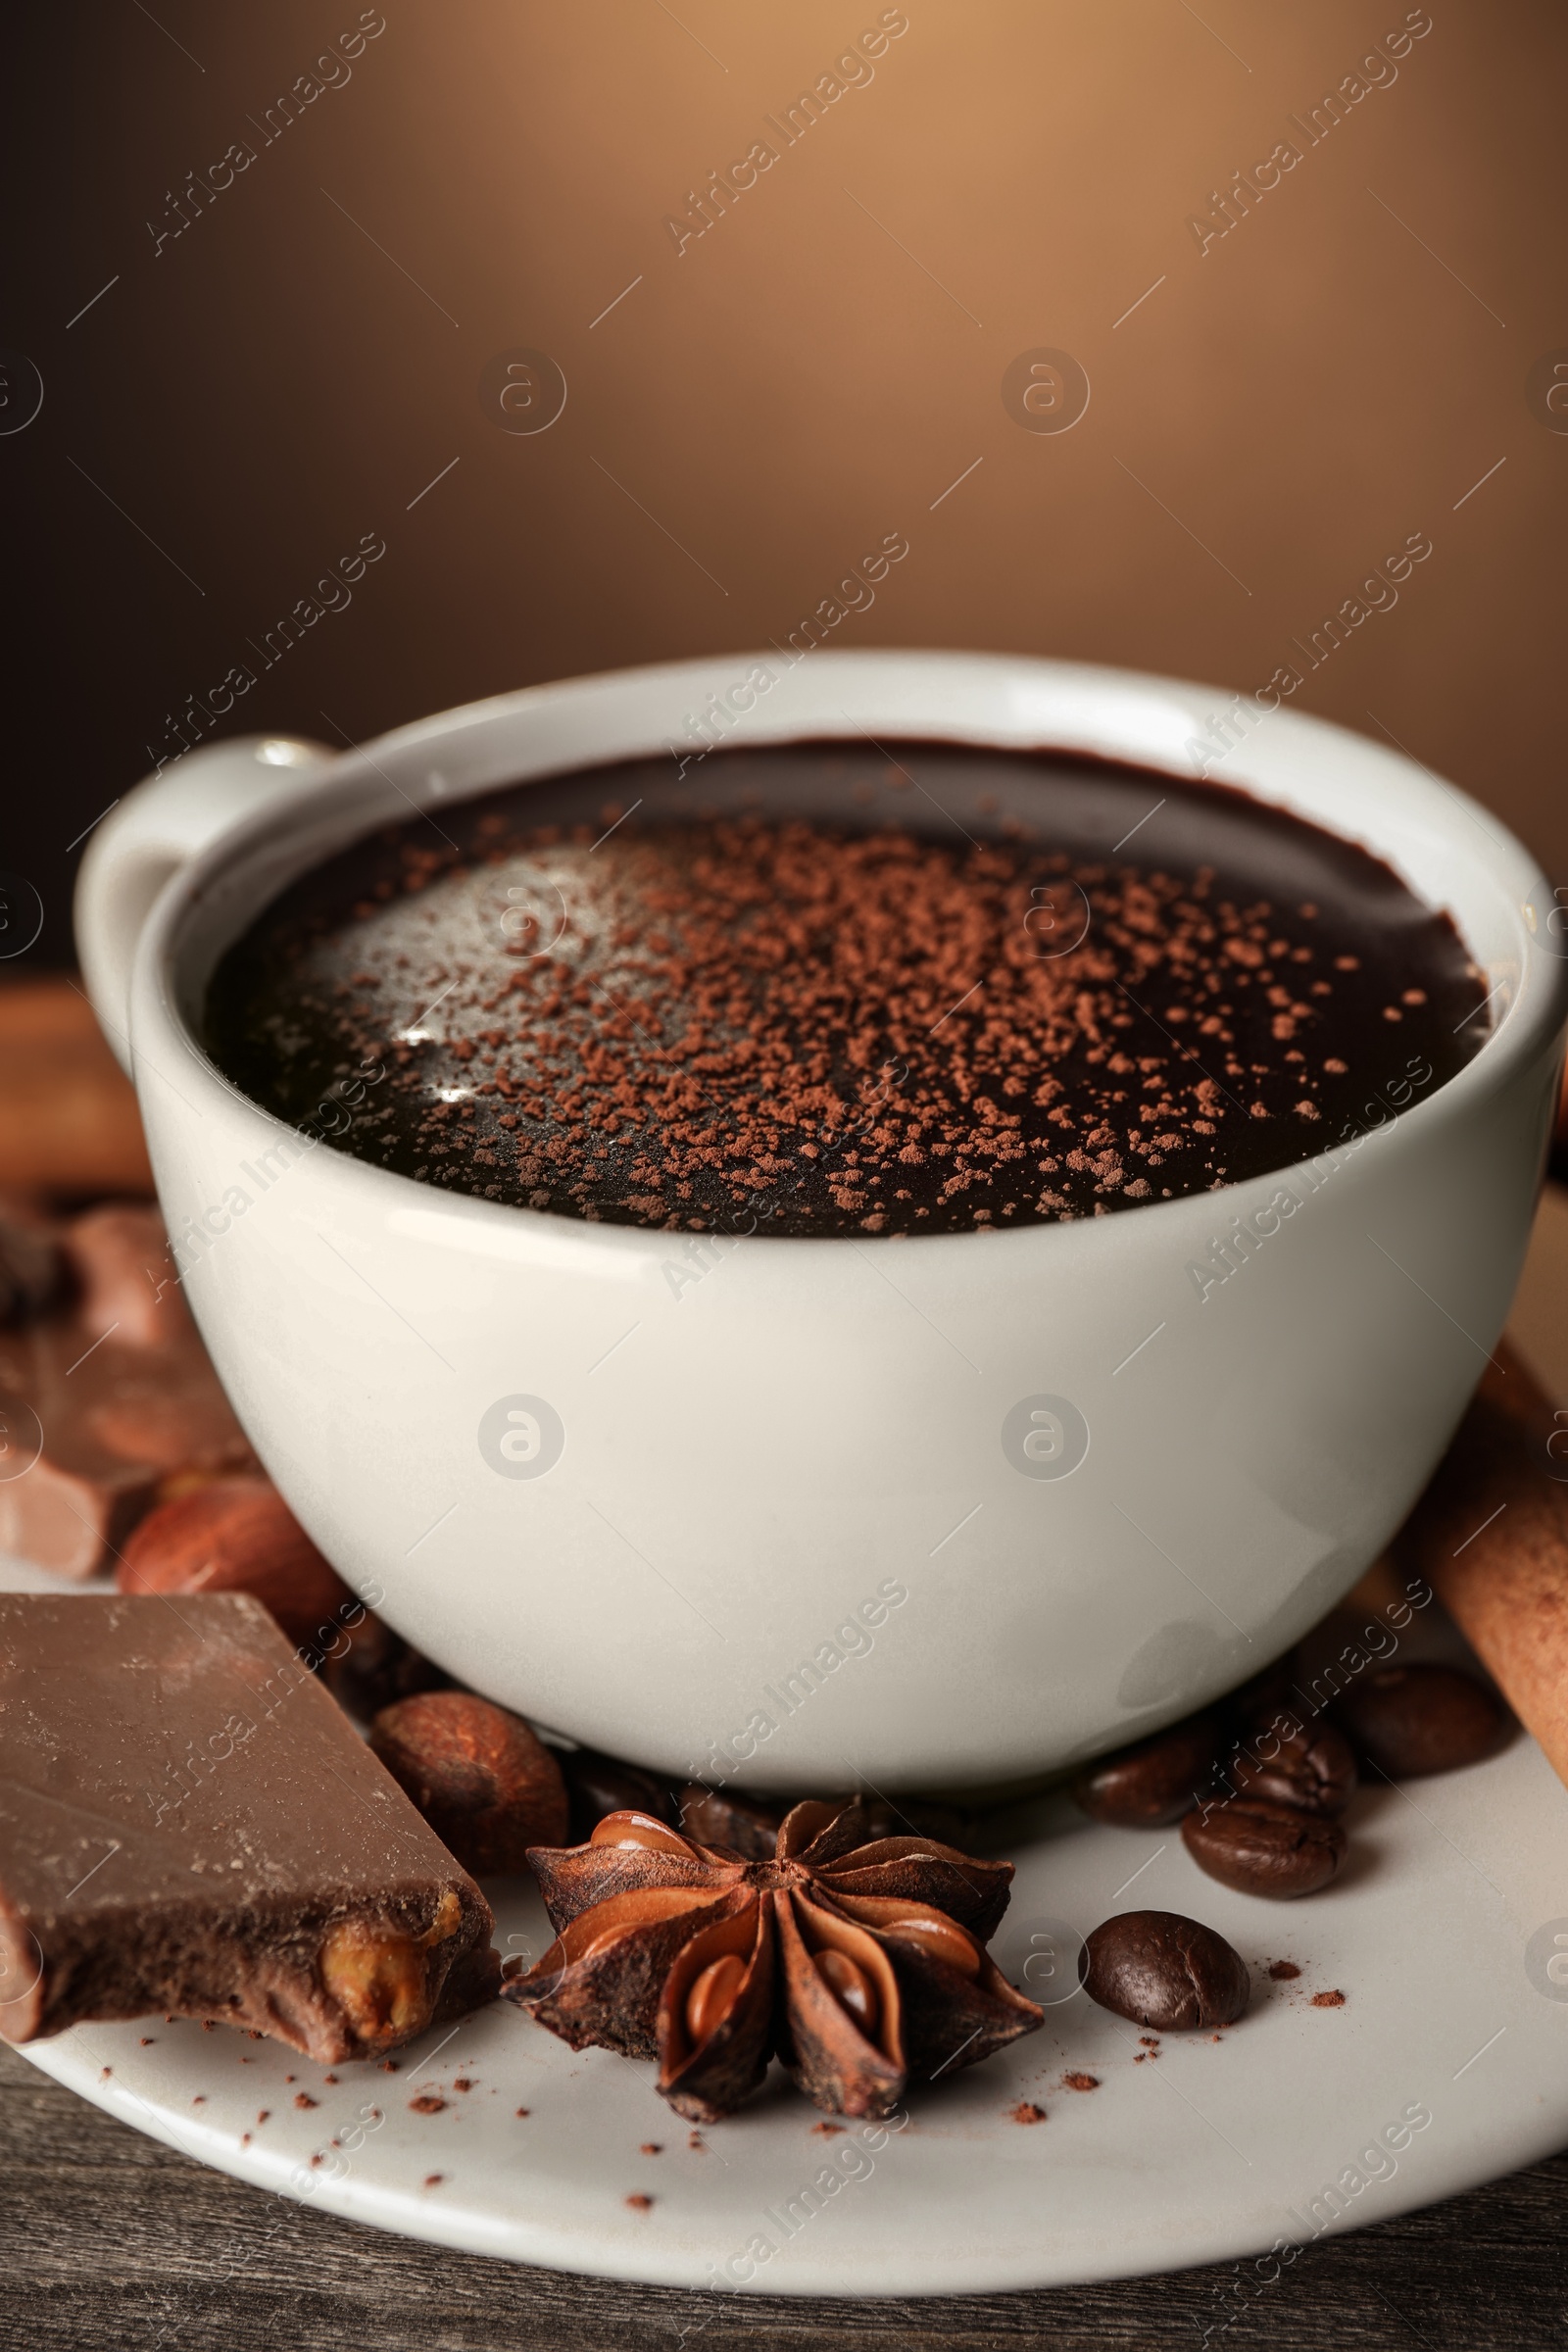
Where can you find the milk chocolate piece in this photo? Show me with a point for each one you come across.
(94, 1422)
(189, 1824)
(120, 1256)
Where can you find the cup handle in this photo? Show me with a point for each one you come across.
(155, 831)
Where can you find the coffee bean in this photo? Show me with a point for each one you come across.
(1408, 1720)
(1155, 1782)
(1265, 1850)
(1263, 1696)
(1313, 1768)
(1165, 1971)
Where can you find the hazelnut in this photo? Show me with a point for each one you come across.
(486, 1786)
(378, 1979)
(237, 1534)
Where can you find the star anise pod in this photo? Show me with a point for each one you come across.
(862, 1965)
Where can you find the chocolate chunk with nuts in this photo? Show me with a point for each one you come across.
(1311, 1767)
(1155, 1781)
(1165, 1971)
(108, 1398)
(237, 1534)
(1408, 1720)
(485, 1784)
(189, 1824)
(1276, 1851)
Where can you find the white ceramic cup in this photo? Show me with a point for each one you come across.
(926, 1513)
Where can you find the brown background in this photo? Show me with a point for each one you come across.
(280, 379)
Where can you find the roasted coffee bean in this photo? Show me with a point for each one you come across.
(1275, 1850)
(1313, 1768)
(1156, 1782)
(1408, 1720)
(1165, 1971)
(1263, 1696)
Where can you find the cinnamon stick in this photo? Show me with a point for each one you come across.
(1490, 1537)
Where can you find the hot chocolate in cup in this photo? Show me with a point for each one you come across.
(776, 1479)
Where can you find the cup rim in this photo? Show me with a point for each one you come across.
(1302, 751)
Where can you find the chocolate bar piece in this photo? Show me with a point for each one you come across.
(103, 1404)
(189, 1824)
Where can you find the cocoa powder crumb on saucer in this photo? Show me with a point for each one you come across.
(147, 2041)
(640, 2204)
(262, 2115)
(1027, 2112)
(1282, 1971)
(1080, 2082)
(303, 2098)
(652, 2147)
(433, 2180)
(1328, 2001)
(426, 2103)
(463, 2083)
(827, 2130)
(525, 2111)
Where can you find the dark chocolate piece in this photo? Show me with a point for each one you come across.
(189, 1824)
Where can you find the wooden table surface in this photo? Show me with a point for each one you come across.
(106, 2237)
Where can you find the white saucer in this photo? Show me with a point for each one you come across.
(1299, 2122)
